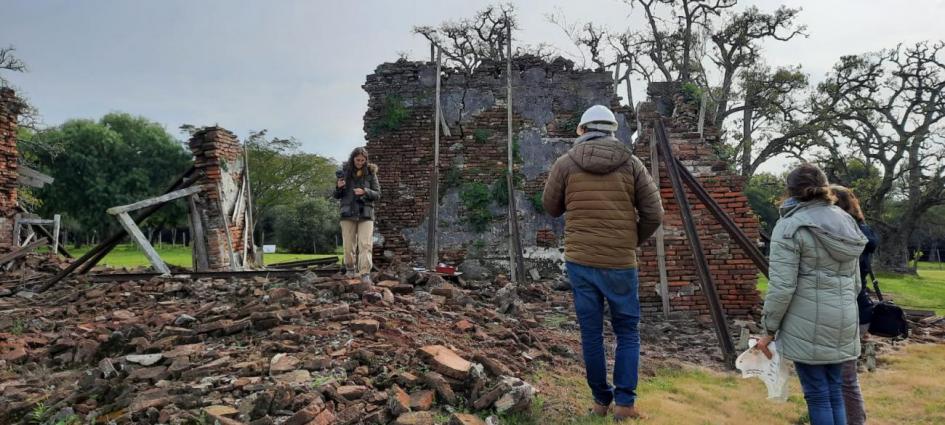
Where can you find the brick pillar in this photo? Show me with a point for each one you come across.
(218, 155)
(10, 107)
(734, 273)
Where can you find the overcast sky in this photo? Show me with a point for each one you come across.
(296, 67)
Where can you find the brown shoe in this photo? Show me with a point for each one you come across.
(626, 412)
(600, 409)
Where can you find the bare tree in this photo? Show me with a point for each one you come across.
(585, 37)
(774, 119)
(9, 62)
(672, 46)
(736, 47)
(889, 108)
(468, 42)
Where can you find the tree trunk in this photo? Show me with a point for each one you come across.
(893, 254)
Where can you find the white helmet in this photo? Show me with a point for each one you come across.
(599, 117)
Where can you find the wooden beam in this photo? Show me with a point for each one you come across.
(180, 193)
(56, 223)
(198, 239)
(36, 221)
(660, 242)
(516, 260)
(46, 233)
(142, 241)
(21, 251)
(433, 219)
(93, 256)
(226, 225)
(27, 176)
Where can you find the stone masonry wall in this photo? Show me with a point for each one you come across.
(9, 111)
(218, 155)
(734, 273)
(548, 99)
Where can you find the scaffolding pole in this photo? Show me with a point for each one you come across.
(433, 220)
(516, 262)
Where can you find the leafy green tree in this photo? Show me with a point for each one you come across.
(308, 226)
(117, 160)
(764, 192)
(282, 175)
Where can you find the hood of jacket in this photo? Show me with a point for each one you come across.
(836, 230)
(599, 153)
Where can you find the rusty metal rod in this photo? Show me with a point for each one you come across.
(698, 255)
(723, 218)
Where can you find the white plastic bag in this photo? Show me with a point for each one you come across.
(774, 373)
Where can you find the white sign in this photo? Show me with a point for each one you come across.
(269, 249)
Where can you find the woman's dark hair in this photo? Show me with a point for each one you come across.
(358, 151)
(807, 183)
(848, 202)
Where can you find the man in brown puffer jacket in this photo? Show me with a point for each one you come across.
(612, 206)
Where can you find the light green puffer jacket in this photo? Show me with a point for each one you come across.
(814, 269)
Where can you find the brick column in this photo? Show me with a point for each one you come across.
(10, 107)
(218, 155)
(734, 273)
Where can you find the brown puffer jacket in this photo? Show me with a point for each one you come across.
(611, 201)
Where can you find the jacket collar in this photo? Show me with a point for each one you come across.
(591, 135)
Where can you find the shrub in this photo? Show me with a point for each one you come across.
(476, 199)
(481, 135)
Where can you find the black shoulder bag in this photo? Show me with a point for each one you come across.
(888, 318)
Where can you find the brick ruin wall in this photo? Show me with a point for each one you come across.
(548, 99)
(9, 111)
(734, 273)
(218, 156)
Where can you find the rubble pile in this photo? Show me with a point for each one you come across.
(303, 350)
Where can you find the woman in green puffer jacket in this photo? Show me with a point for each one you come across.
(810, 308)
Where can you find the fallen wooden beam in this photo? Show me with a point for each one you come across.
(155, 201)
(19, 252)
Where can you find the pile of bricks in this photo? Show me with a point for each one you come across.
(734, 273)
(218, 156)
(10, 107)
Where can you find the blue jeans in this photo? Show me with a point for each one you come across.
(591, 287)
(822, 385)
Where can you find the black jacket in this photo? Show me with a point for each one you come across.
(358, 208)
(863, 302)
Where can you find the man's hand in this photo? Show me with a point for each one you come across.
(763, 345)
(359, 191)
(341, 183)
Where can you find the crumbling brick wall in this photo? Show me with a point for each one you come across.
(548, 99)
(218, 156)
(9, 112)
(734, 273)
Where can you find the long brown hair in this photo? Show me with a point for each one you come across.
(848, 202)
(807, 183)
(358, 151)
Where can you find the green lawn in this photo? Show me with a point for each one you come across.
(127, 255)
(924, 292)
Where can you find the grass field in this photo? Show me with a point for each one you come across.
(127, 255)
(901, 391)
(924, 292)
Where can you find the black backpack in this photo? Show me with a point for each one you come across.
(888, 318)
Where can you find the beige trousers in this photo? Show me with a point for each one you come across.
(357, 240)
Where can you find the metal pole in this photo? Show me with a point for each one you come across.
(723, 218)
(698, 255)
(433, 220)
(516, 262)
